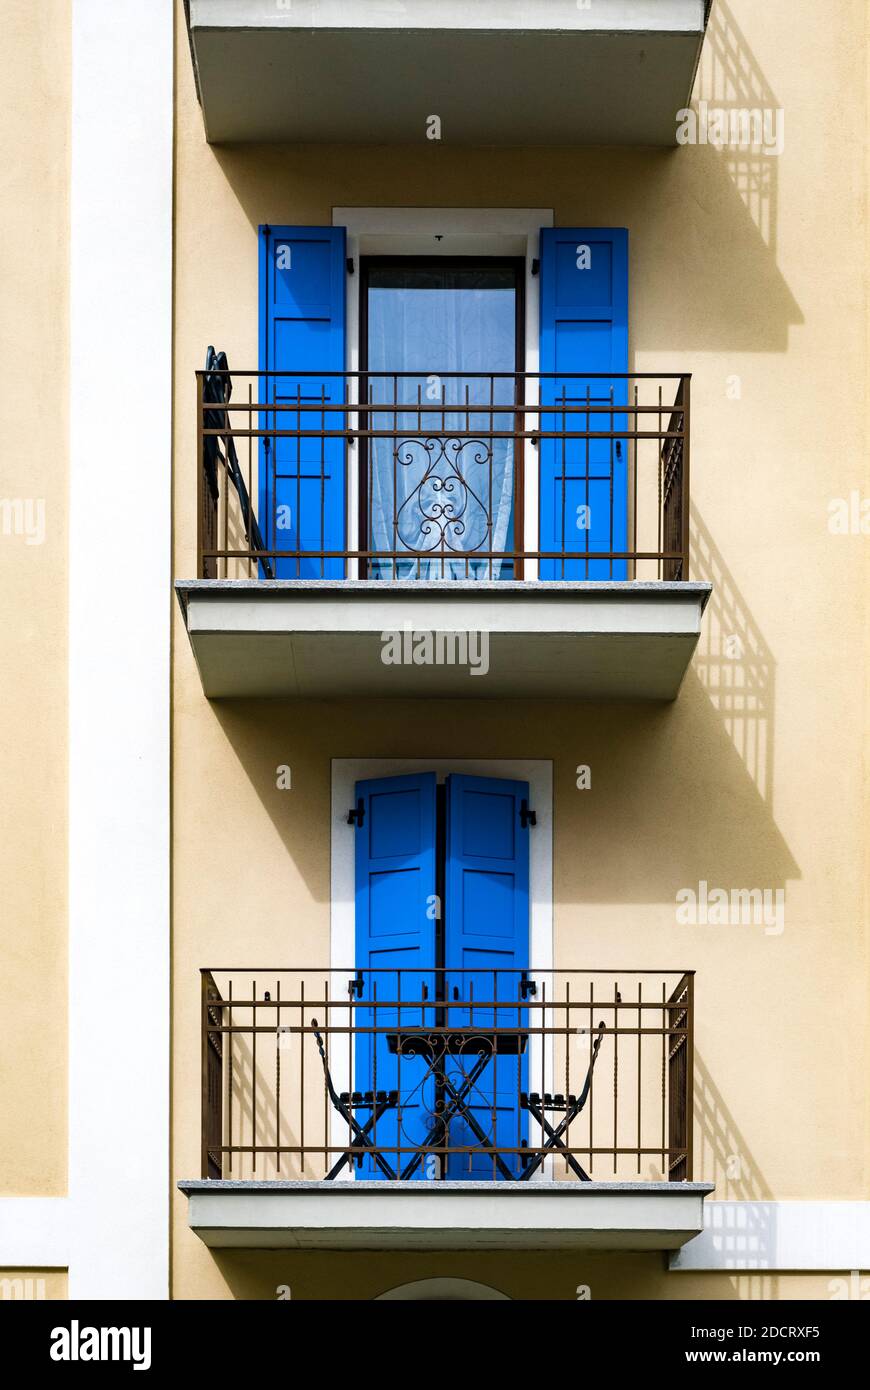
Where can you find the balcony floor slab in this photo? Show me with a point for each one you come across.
(552, 640)
(635, 1216)
(611, 73)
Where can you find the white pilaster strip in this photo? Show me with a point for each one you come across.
(120, 520)
(779, 1236)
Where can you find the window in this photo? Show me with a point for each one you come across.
(444, 337)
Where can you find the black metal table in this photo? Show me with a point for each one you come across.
(436, 1046)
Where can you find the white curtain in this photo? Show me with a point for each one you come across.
(451, 494)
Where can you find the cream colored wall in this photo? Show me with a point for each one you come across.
(34, 157)
(751, 273)
(260, 1274)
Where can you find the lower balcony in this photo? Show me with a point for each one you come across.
(442, 1109)
(499, 535)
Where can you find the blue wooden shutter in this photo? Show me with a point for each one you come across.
(302, 329)
(487, 949)
(396, 916)
(584, 328)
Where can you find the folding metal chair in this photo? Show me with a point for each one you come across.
(570, 1107)
(348, 1101)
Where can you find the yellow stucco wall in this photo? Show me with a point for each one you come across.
(279, 1275)
(747, 273)
(34, 157)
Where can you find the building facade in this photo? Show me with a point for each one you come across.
(435, 632)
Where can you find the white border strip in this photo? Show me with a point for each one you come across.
(34, 1232)
(119, 645)
(484, 231)
(615, 16)
(346, 772)
(779, 1236)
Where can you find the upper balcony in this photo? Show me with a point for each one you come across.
(494, 72)
(522, 527)
(400, 1108)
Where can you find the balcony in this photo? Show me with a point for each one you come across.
(607, 73)
(446, 1110)
(520, 527)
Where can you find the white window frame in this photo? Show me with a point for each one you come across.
(346, 772)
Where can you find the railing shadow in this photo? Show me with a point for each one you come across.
(730, 79)
(746, 1238)
(734, 664)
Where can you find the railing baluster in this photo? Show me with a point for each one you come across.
(613, 449)
(662, 453)
(667, 1015)
(302, 1075)
(591, 1103)
(254, 1074)
(639, 1065)
(326, 1120)
(616, 997)
(278, 1075)
(634, 471)
(230, 1077)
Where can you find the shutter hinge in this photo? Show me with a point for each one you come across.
(350, 265)
(357, 815)
(527, 986)
(527, 817)
(355, 986)
(536, 267)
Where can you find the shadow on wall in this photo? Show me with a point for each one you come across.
(734, 663)
(681, 793)
(727, 190)
(730, 79)
(722, 1156)
(361, 1275)
(702, 218)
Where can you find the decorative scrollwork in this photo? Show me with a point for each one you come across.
(444, 510)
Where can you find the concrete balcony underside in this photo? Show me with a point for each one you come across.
(494, 72)
(446, 1215)
(332, 639)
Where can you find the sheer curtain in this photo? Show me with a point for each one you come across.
(441, 485)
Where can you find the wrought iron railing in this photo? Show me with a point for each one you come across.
(407, 1075)
(442, 475)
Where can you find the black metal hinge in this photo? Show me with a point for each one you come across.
(355, 986)
(536, 267)
(527, 817)
(527, 986)
(357, 815)
(350, 265)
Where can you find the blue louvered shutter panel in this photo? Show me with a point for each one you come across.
(302, 329)
(584, 328)
(487, 952)
(396, 916)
